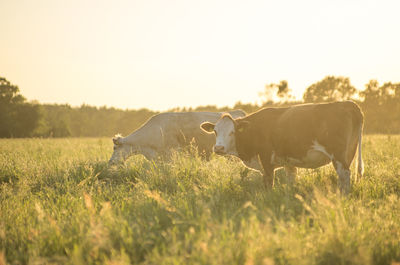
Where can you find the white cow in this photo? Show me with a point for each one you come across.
(166, 131)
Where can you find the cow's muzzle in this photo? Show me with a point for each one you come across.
(219, 149)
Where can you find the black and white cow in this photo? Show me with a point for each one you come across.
(305, 136)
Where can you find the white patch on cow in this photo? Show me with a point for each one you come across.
(316, 157)
(225, 137)
(317, 147)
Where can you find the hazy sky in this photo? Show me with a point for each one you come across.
(162, 54)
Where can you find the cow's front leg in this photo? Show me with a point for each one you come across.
(268, 177)
(291, 173)
(268, 171)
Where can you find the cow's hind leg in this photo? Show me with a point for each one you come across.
(343, 153)
(343, 172)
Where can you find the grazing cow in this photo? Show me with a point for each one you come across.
(166, 131)
(305, 136)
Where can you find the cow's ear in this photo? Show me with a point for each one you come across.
(207, 127)
(241, 126)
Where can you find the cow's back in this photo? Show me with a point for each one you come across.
(298, 127)
(184, 127)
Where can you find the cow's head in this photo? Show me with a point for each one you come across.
(226, 130)
(121, 150)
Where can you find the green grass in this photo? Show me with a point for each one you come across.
(60, 203)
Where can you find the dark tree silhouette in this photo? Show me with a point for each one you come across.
(17, 118)
(380, 104)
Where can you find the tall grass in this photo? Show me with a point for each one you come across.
(61, 203)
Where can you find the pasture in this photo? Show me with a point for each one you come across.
(60, 203)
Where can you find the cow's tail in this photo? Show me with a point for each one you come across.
(360, 163)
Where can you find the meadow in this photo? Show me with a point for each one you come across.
(60, 203)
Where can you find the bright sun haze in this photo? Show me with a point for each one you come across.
(162, 54)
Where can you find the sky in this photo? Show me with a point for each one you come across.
(161, 54)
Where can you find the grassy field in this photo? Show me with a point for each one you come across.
(60, 203)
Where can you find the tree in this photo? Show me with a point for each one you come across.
(9, 98)
(330, 88)
(17, 118)
(281, 90)
(382, 107)
(375, 94)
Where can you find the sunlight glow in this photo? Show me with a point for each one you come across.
(165, 54)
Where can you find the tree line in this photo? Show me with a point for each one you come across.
(19, 118)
